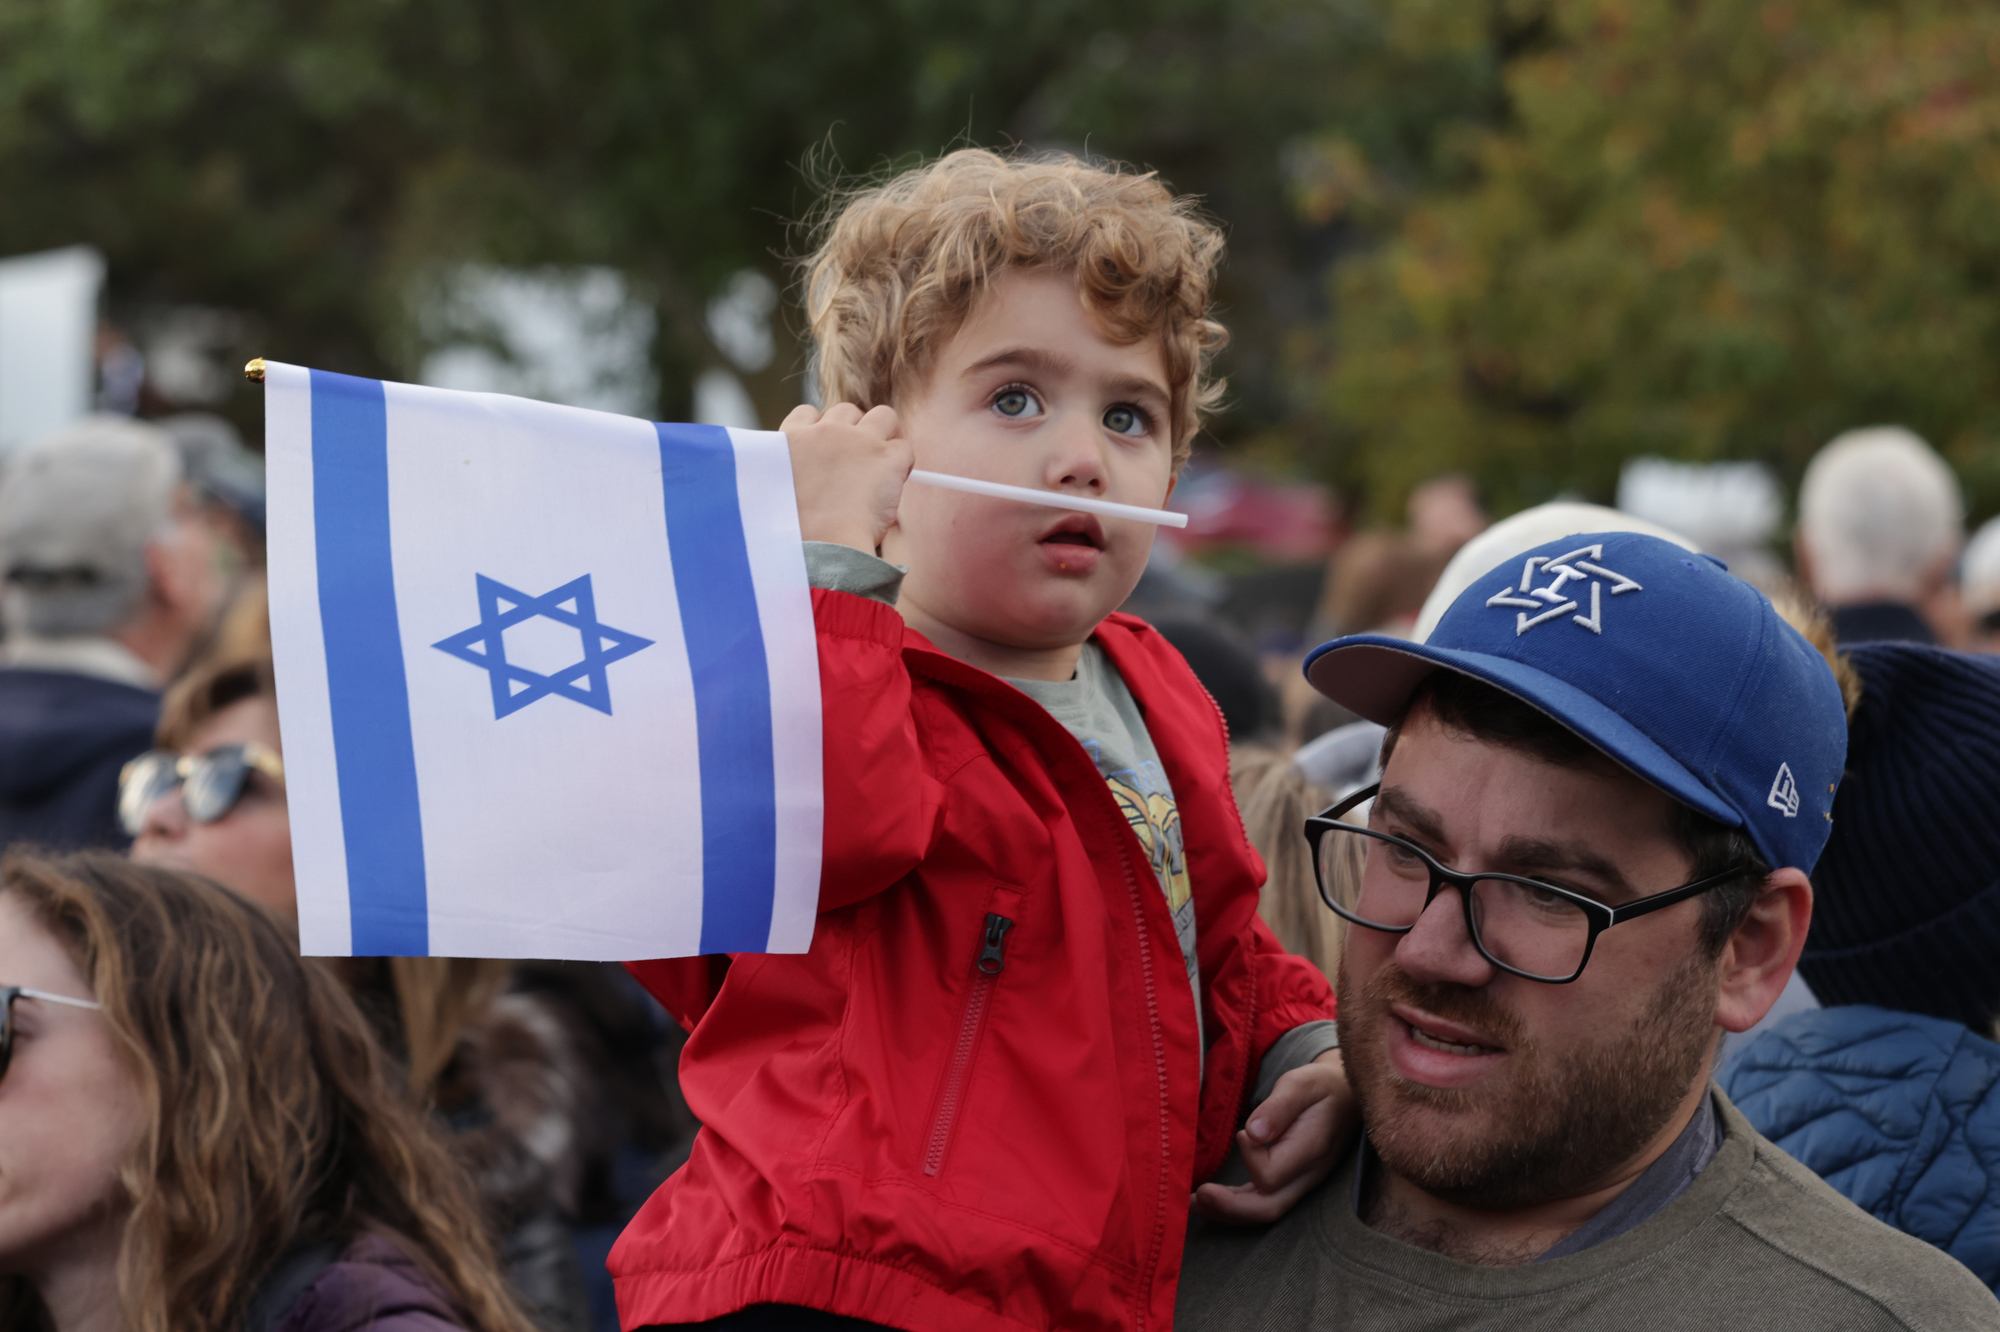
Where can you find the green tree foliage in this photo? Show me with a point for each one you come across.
(1726, 229)
(315, 163)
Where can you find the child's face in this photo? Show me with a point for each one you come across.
(1031, 392)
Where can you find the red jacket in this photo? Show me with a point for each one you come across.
(973, 1104)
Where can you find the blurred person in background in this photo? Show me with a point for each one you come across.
(198, 1134)
(1891, 1092)
(1376, 583)
(1379, 580)
(226, 477)
(1227, 666)
(109, 584)
(1979, 585)
(1881, 520)
(1445, 513)
(1731, 510)
(1275, 799)
(227, 481)
(548, 1087)
(1273, 796)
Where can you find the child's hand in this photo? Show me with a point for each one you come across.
(1292, 1142)
(848, 470)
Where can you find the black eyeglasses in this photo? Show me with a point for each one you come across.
(211, 783)
(1529, 928)
(8, 994)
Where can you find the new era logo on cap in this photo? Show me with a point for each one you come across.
(1694, 682)
(1784, 792)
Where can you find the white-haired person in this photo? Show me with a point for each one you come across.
(1979, 585)
(1881, 522)
(110, 580)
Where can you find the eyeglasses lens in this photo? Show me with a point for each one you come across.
(8, 993)
(145, 780)
(214, 781)
(1383, 883)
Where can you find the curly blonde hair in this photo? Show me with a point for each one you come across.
(270, 1119)
(899, 264)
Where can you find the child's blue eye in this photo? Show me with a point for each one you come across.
(1015, 402)
(1125, 419)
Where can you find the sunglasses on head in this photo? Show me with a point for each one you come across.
(8, 994)
(210, 783)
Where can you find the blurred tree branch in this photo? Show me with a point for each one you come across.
(312, 163)
(1718, 230)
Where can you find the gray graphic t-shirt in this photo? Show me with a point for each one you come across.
(1099, 711)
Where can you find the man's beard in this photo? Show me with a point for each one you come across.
(1557, 1125)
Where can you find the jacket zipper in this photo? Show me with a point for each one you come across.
(1152, 1257)
(985, 975)
(1253, 1006)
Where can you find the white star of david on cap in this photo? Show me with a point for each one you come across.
(1556, 600)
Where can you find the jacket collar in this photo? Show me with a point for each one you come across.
(1115, 634)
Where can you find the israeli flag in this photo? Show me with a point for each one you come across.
(547, 677)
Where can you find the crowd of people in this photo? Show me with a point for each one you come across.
(1581, 935)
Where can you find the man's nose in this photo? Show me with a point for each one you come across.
(1440, 948)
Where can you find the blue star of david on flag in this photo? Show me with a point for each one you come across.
(515, 686)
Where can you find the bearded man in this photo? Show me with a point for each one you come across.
(1608, 773)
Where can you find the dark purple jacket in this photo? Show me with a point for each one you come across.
(372, 1287)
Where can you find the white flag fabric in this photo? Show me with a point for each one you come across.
(547, 678)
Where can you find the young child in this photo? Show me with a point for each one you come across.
(1039, 1000)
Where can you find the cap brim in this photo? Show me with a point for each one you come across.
(1374, 676)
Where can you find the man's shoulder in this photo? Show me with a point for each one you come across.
(25, 686)
(1756, 1239)
(1803, 1223)
(59, 723)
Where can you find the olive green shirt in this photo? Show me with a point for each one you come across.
(1757, 1242)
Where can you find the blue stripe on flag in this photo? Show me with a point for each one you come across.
(732, 686)
(374, 757)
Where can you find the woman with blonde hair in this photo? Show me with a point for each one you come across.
(1275, 800)
(197, 1130)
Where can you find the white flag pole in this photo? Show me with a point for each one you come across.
(1053, 499)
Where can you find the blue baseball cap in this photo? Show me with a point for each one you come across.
(1662, 659)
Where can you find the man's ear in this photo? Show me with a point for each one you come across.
(165, 580)
(1759, 957)
(1942, 602)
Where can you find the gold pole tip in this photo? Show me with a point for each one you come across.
(254, 371)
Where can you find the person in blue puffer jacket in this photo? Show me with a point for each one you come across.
(1891, 1091)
